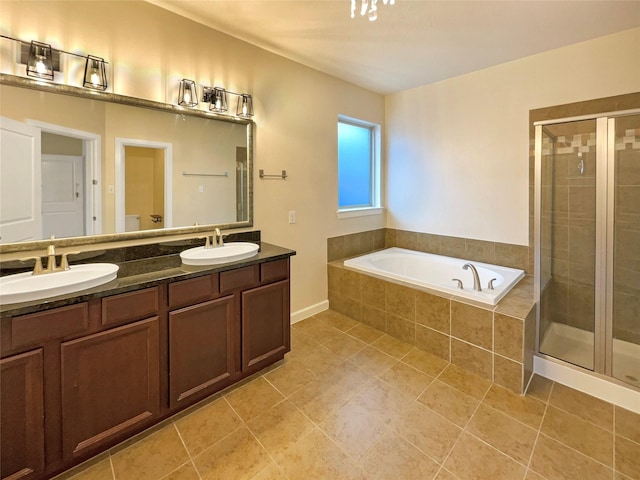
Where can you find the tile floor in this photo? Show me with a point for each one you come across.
(350, 402)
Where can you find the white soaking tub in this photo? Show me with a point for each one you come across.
(437, 272)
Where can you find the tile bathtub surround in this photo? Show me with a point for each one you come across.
(354, 244)
(349, 402)
(508, 255)
(496, 343)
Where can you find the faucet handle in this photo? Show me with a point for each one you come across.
(207, 243)
(37, 269)
(490, 285)
(64, 263)
(219, 240)
(459, 283)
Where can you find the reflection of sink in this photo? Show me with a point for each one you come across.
(229, 252)
(25, 287)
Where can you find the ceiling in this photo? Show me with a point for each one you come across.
(414, 42)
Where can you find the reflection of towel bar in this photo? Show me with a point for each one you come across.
(225, 174)
(283, 175)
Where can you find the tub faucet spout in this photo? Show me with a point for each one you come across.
(476, 278)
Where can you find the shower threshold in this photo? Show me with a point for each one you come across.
(574, 345)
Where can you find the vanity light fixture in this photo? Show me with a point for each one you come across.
(40, 61)
(368, 8)
(95, 75)
(218, 100)
(216, 97)
(188, 94)
(245, 106)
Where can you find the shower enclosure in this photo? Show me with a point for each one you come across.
(587, 234)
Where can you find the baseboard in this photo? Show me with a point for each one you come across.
(308, 311)
(601, 388)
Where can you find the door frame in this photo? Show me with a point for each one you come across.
(605, 165)
(121, 143)
(92, 152)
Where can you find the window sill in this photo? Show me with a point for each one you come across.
(360, 212)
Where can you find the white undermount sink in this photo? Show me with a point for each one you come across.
(26, 287)
(229, 252)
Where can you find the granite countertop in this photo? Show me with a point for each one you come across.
(144, 273)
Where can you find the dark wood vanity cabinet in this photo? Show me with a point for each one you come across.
(110, 380)
(241, 328)
(78, 379)
(110, 385)
(22, 416)
(201, 350)
(265, 325)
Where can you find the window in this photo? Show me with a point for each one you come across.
(358, 167)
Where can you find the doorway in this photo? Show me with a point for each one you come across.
(143, 187)
(55, 188)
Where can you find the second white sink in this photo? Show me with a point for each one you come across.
(229, 252)
(25, 287)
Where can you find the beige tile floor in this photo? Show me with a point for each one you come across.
(350, 402)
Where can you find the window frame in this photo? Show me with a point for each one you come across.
(375, 208)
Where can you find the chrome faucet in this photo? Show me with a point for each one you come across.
(476, 278)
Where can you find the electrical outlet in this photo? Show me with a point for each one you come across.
(201, 188)
(292, 216)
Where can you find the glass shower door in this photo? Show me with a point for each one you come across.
(625, 150)
(568, 242)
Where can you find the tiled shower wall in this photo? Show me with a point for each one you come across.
(568, 233)
(494, 342)
(568, 228)
(626, 306)
(627, 259)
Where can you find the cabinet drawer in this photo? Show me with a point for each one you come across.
(239, 278)
(58, 323)
(194, 290)
(272, 271)
(130, 306)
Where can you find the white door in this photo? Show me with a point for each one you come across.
(20, 185)
(62, 196)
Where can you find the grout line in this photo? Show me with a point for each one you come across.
(193, 464)
(535, 443)
(493, 345)
(273, 460)
(464, 429)
(513, 418)
(113, 470)
(181, 440)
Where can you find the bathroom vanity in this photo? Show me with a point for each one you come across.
(84, 372)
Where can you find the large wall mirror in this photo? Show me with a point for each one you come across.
(90, 167)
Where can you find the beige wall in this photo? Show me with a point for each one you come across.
(149, 50)
(59, 145)
(457, 150)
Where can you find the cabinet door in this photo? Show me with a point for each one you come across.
(110, 385)
(201, 352)
(265, 325)
(22, 416)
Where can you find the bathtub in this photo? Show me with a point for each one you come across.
(436, 273)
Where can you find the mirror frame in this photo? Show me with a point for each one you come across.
(15, 81)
